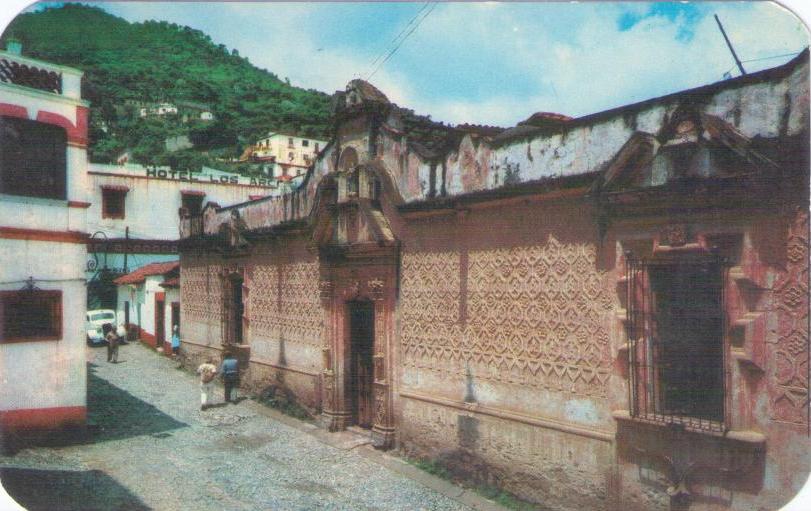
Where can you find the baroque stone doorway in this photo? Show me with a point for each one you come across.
(356, 380)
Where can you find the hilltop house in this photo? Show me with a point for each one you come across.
(187, 111)
(290, 155)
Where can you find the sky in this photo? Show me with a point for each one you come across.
(490, 62)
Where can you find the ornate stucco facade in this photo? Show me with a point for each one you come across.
(492, 298)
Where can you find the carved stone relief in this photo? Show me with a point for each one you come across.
(789, 369)
(201, 293)
(538, 316)
(296, 315)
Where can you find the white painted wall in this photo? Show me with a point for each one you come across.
(128, 293)
(278, 145)
(152, 204)
(47, 374)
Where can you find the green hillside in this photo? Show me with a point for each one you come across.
(127, 63)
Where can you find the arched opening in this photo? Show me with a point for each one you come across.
(348, 159)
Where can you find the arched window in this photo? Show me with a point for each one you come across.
(353, 183)
(348, 159)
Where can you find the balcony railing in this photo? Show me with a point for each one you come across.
(28, 76)
(43, 76)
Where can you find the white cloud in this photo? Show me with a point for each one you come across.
(599, 67)
(569, 58)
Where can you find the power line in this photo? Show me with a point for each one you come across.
(773, 57)
(394, 50)
(727, 72)
(396, 39)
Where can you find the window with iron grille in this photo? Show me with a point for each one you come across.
(30, 315)
(33, 158)
(676, 341)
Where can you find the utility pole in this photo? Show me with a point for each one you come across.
(729, 44)
(126, 246)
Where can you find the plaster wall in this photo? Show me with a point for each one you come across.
(48, 374)
(134, 295)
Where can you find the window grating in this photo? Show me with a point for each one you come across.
(676, 328)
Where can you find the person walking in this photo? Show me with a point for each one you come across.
(230, 375)
(112, 344)
(207, 372)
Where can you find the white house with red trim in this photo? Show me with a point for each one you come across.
(43, 234)
(146, 304)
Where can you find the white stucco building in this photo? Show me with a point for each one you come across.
(158, 109)
(148, 299)
(43, 231)
(291, 154)
(133, 217)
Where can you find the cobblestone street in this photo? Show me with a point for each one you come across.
(155, 449)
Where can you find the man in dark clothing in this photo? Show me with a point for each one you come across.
(230, 374)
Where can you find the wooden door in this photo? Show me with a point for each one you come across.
(361, 368)
(175, 315)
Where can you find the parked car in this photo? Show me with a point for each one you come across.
(94, 325)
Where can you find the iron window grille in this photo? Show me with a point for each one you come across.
(676, 328)
(30, 315)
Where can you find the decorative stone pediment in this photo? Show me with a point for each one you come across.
(352, 216)
(691, 146)
(232, 233)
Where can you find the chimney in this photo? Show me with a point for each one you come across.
(14, 46)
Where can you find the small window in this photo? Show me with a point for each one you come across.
(291, 156)
(676, 335)
(290, 142)
(193, 203)
(316, 147)
(353, 183)
(112, 203)
(305, 143)
(33, 159)
(30, 316)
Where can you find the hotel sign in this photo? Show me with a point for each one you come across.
(189, 176)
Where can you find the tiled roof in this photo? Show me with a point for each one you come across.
(171, 282)
(139, 275)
